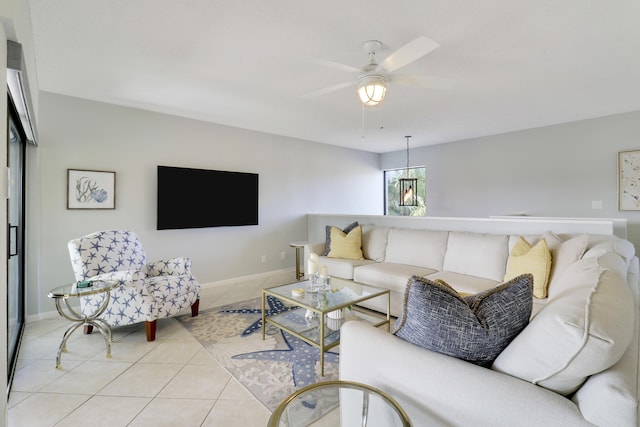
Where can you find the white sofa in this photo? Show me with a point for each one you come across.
(576, 363)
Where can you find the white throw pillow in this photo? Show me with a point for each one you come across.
(374, 242)
(563, 253)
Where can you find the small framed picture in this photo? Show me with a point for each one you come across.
(89, 189)
(629, 180)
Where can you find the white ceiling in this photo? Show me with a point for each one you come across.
(516, 64)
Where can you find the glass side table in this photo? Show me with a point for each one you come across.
(61, 296)
(339, 403)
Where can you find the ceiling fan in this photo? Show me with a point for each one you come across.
(372, 79)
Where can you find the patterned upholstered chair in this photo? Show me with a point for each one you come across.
(147, 292)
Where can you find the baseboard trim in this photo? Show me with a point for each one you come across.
(276, 277)
(47, 315)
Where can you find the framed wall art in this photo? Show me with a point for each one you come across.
(90, 189)
(629, 180)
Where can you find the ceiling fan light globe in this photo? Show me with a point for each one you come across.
(371, 90)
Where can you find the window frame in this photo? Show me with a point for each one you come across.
(421, 209)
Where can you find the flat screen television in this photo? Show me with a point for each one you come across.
(201, 198)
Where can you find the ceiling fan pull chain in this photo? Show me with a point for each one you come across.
(362, 122)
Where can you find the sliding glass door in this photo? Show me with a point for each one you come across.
(16, 146)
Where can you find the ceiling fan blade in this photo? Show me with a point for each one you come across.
(333, 64)
(409, 53)
(329, 89)
(426, 82)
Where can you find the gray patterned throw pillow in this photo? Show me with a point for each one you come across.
(475, 328)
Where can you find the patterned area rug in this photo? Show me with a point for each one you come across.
(270, 369)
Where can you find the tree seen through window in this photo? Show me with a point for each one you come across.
(392, 192)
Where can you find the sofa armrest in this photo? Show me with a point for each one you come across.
(130, 282)
(125, 278)
(435, 389)
(313, 247)
(169, 267)
(316, 248)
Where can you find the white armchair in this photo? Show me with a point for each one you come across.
(147, 292)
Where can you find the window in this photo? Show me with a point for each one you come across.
(392, 192)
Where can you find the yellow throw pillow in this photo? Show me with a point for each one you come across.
(535, 260)
(346, 245)
(443, 283)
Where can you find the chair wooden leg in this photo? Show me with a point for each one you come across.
(195, 307)
(88, 328)
(150, 328)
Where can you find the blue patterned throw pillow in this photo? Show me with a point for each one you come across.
(475, 328)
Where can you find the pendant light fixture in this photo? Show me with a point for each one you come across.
(408, 186)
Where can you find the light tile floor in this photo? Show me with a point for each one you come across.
(172, 381)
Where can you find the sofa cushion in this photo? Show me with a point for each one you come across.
(476, 254)
(564, 253)
(374, 242)
(422, 248)
(536, 260)
(328, 228)
(345, 245)
(463, 283)
(474, 328)
(578, 332)
(389, 275)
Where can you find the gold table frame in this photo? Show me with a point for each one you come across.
(299, 246)
(276, 419)
(63, 293)
(320, 336)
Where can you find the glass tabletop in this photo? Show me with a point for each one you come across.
(72, 290)
(343, 293)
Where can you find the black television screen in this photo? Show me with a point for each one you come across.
(199, 198)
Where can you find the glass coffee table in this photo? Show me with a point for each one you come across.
(315, 320)
(339, 403)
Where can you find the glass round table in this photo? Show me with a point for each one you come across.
(339, 403)
(61, 296)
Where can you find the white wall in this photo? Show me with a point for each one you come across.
(551, 171)
(296, 177)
